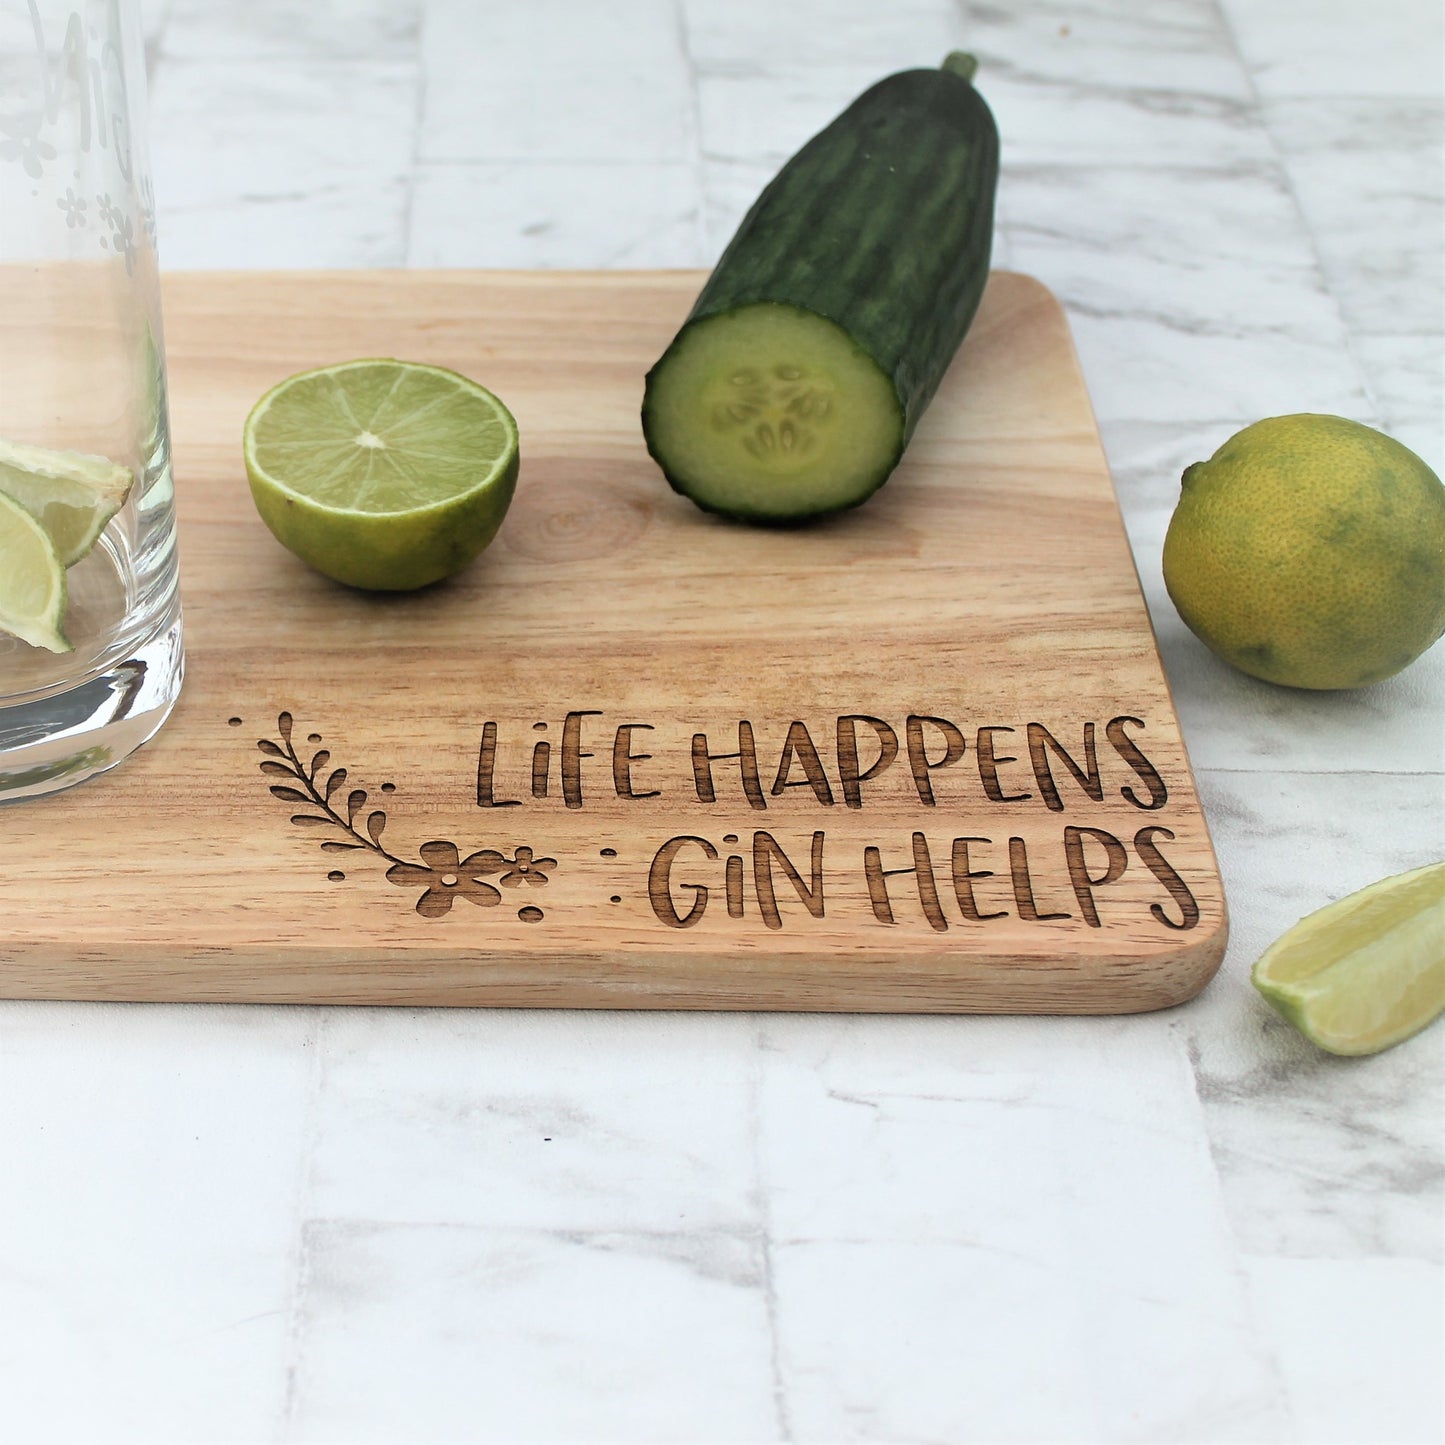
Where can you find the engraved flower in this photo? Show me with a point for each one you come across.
(446, 876)
(527, 869)
(74, 208)
(148, 209)
(26, 147)
(123, 240)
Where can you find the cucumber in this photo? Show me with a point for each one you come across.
(797, 379)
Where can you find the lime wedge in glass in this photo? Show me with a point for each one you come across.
(1366, 971)
(32, 580)
(70, 494)
(382, 474)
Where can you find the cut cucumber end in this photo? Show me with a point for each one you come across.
(771, 413)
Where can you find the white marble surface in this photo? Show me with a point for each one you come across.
(258, 1225)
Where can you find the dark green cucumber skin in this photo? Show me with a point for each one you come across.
(883, 223)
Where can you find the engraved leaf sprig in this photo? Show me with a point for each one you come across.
(317, 793)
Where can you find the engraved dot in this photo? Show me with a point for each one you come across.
(449, 880)
(530, 915)
(313, 737)
(388, 787)
(539, 727)
(234, 722)
(616, 898)
(336, 875)
(730, 837)
(609, 852)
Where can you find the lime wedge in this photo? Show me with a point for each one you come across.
(382, 474)
(32, 580)
(70, 494)
(1366, 971)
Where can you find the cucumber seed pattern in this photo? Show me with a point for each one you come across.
(775, 413)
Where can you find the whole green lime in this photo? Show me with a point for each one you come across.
(1309, 551)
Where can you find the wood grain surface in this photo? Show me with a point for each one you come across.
(919, 758)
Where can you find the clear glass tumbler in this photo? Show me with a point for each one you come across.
(83, 418)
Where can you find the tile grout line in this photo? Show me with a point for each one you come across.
(418, 119)
(300, 1251)
(1347, 332)
(1239, 772)
(765, 1233)
(1238, 1255)
(696, 151)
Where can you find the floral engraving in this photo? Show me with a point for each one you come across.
(73, 206)
(441, 873)
(148, 210)
(446, 877)
(25, 145)
(67, 99)
(527, 869)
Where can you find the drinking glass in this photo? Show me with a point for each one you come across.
(82, 375)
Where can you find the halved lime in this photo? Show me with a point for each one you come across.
(72, 495)
(382, 474)
(1365, 971)
(32, 580)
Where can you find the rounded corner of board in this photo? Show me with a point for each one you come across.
(1185, 973)
(1026, 289)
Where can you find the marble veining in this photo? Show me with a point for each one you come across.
(294, 1224)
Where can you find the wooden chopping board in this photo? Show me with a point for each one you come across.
(922, 757)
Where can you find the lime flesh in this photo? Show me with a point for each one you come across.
(386, 475)
(32, 580)
(70, 494)
(1366, 971)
